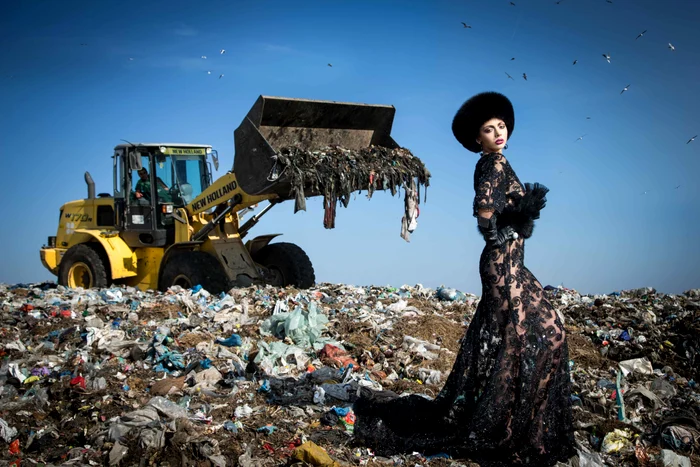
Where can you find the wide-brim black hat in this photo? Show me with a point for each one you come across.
(478, 110)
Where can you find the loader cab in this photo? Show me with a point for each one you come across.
(151, 181)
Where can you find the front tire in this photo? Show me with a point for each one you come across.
(288, 263)
(82, 266)
(190, 268)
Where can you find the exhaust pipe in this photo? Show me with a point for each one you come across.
(91, 185)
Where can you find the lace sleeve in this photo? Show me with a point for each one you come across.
(488, 184)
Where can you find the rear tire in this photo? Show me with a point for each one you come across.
(289, 263)
(81, 266)
(190, 268)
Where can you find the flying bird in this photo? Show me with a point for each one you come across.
(204, 57)
(509, 76)
(208, 72)
(512, 3)
(466, 25)
(513, 58)
(670, 46)
(626, 88)
(559, 1)
(525, 76)
(330, 65)
(83, 43)
(131, 59)
(607, 57)
(691, 139)
(588, 118)
(580, 138)
(575, 62)
(221, 75)
(222, 51)
(609, 1)
(678, 187)
(640, 34)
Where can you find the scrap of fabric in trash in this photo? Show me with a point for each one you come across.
(335, 173)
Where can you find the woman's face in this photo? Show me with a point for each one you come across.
(493, 135)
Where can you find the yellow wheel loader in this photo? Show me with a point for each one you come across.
(168, 223)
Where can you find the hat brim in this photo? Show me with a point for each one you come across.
(478, 110)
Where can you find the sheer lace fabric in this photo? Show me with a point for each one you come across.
(507, 398)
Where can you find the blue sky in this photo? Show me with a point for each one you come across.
(140, 77)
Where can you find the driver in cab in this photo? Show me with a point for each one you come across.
(142, 191)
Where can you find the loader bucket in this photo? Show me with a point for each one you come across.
(276, 122)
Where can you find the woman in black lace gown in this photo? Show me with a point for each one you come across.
(507, 399)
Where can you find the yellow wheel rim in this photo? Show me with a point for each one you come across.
(80, 275)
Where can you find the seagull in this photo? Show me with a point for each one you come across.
(575, 61)
(466, 25)
(330, 65)
(609, 1)
(647, 191)
(626, 88)
(525, 76)
(204, 57)
(222, 51)
(558, 2)
(512, 3)
(691, 139)
(509, 75)
(221, 75)
(677, 187)
(580, 138)
(208, 72)
(640, 34)
(670, 46)
(131, 59)
(513, 58)
(607, 57)
(83, 43)
(588, 118)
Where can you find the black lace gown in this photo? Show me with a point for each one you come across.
(507, 399)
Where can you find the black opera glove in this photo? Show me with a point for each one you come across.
(492, 234)
(534, 200)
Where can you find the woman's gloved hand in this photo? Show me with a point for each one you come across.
(492, 234)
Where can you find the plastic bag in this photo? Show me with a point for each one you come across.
(451, 295)
(311, 453)
(637, 365)
(6, 431)
(616, 441)
(671, 459)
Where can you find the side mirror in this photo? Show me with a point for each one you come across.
(135, 160)
(215, 159)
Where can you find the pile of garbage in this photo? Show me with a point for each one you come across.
(336, 172)
(268, 376)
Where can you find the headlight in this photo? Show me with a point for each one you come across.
(163, 149)
(208, 150)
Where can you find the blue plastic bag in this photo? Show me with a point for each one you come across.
(233, 341)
